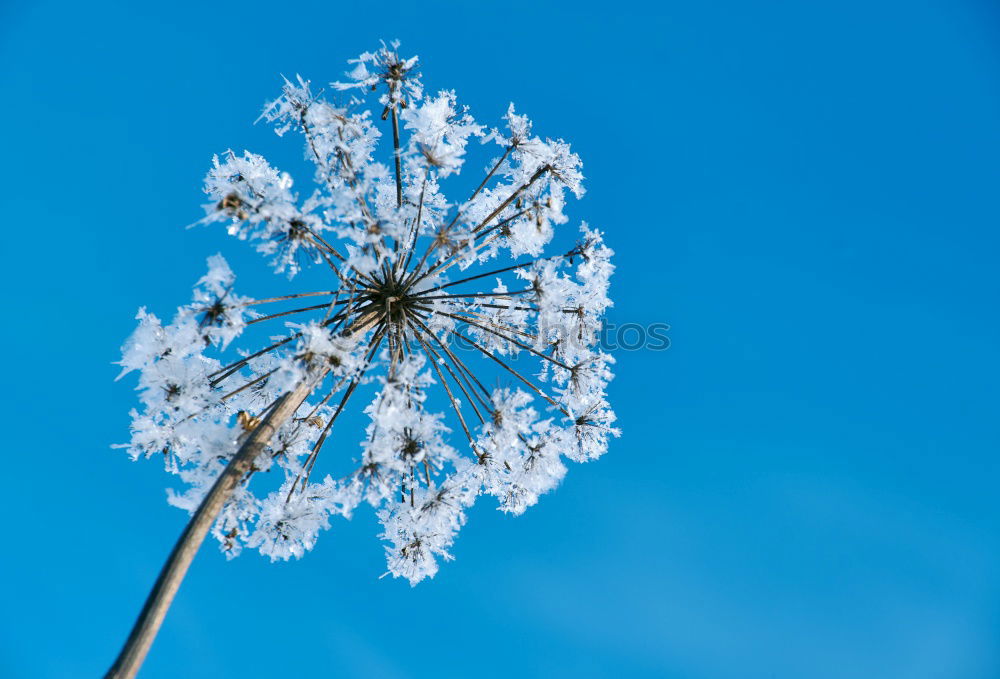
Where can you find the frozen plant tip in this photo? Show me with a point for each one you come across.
(464, 327)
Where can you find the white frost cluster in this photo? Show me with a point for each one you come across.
(414, 314)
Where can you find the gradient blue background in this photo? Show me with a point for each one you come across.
(806, 488)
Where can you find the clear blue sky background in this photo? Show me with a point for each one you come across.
(807, 192)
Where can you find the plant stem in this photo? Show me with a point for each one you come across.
(395, 153)
(169, 581)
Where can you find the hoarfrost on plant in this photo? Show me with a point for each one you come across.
(414, 314)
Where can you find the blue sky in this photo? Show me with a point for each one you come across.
(805, 192)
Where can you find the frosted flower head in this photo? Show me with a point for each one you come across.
(463, 329)
(384, 67)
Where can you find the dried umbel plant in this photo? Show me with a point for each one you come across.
(415, 313)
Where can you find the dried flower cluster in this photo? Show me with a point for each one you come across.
(405, 265)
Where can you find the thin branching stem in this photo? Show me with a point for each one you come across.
(489, 354)
(438, 360)
(509, 339)
(283, 298)
(458, 363)
(396, 157)
(451, 396)
(291, 311)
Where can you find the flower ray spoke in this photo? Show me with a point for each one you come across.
(513, 372)
(307, 468)
(509, 339)
(451, 397)
(495, 295)
(283, 298)
(224, 372)
(249, 384)
(459, 364)
(500, 208)
(293, 311)
(505, 269)
(458, 379)
(494, 324)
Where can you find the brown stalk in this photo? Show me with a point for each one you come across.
(153, 612)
